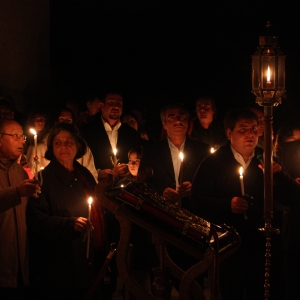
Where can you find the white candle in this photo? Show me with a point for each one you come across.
(90, 200)
(115, 157)
(242, 180)
(180, 177)
(35, 153)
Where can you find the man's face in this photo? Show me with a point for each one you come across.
(176, 122)
(6, 113)
(94, 106)
(204, 110)
(11, 147)
(113, 107)
(244, 136)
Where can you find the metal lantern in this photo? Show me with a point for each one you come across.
(268, 70)
(268, 85)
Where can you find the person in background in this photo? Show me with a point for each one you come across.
(261, 124)
(205, 128)
(15, 188)
(92, 107)
(58, 221)
(287, 145)
(6, 110)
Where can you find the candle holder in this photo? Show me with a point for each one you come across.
(268, 85)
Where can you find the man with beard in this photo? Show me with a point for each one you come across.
(15, 188)
(103, 134)
(217, 196)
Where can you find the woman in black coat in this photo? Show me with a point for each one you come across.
(58, 220)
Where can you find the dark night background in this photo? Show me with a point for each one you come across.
(157, 52)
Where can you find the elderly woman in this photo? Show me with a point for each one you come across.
(57, 220)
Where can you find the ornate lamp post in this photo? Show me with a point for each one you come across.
(268, 85)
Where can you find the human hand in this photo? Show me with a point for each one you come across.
(171, 195)
(105, 173)
(297, 180)
(29, 187)
(276, 167)
(82, 224)
(184, 189)
(238, 205)
(121, 169)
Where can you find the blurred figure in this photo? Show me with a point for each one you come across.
(287, 146)
(6, 110)
(131, 120)
(204, 128)
(260, 124)
(92, 107)
(15, 188)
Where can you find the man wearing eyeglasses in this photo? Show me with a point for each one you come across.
(15, 188)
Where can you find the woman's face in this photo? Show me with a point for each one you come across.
(129, 120)
(64, 147)
(294, 137)
(39, 122)
(133, 164)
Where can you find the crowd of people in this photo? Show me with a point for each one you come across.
(47, 177)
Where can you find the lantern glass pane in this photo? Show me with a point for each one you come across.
(255, 72)
(281, 72)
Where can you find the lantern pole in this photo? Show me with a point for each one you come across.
(268, 85)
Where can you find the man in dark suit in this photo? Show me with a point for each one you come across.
(164, 156)
(106, 133)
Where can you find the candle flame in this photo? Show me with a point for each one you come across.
(32, 131)
(212, 150)
(115, 151)
(181, 156)
(269, 74)
(90, 200)
(241, 171)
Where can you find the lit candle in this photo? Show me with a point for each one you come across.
(242, 180)
(212, 150)
(35, 153)
(180, 177)
(90, 200)
(268, 75)
(115, 157)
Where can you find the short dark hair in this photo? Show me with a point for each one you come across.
(72, 129)
(172, 106)
(233, 116)
(137, 150)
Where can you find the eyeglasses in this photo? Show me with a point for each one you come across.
(16, 137)
(134, 162)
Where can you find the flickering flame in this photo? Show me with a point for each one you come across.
(241, 171)
(181, 156)
(32, 131)
(115, 151)
(90, 200)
